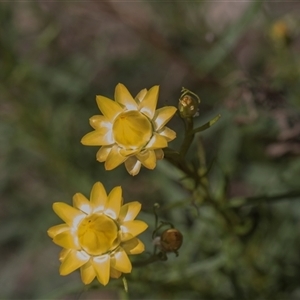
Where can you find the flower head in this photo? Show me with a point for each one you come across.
(98, 235)
(131, 130)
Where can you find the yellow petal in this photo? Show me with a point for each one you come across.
(120, 261)
(159, 153)
(162, 116)
(103, 153)
(127, 152)
(148, 105)
(114, 273)
(101, 265)
(87, 273)
(80, 202)
(99, 137)
(129, 211)
(141, 95)
(109, 108)
(113, 206)
(67, 213)
(123, 97)
(66, 240)
(98, 197)
(63, 254)
(133, 165)
(168, 133)
(157, 141)
(100, 121)
(114, 158)
(133, 246)
(131, 229)
(73, 260)
(57, 229)
(147, 158)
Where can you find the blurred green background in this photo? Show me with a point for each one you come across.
(241, 58)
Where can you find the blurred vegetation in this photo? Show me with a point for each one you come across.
(242, 59)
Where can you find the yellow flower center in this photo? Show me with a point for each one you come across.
(98, 234)
(132, 130)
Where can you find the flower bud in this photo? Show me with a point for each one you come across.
(188, 104)
(171, 240)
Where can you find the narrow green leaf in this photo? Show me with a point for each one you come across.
(206, 125)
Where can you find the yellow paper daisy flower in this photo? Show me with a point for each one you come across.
(98, 235)
(131, 130)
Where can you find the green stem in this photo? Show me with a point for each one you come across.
(188, 136)
(179, 162)
(177, 159)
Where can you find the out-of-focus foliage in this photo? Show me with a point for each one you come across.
(241, 58)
